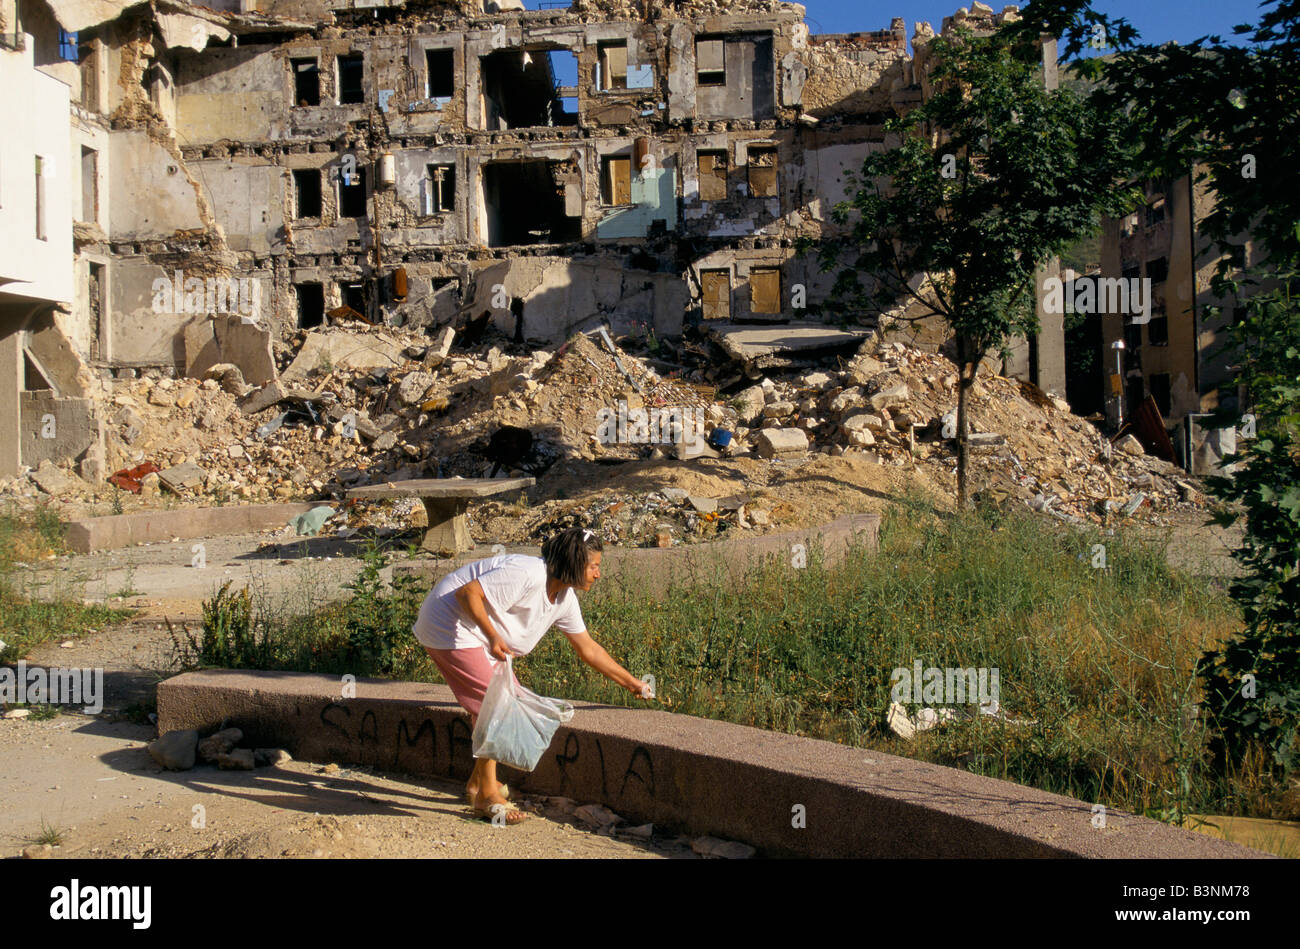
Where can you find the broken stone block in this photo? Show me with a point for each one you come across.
(241, 759)
(861, 438)
(263, 398)
(385, 442)
(863, 422)
(52, 479)
(816, 380)
(864, 368)
(219, 743)
(1131, 446)
(897, 395)
(246, 345)
(175, 750)
(230, 378)
(271, 757)
(436, 354)
(778, 410)
(181, 477)
(161, 397)
(749, 404)
(846, 400)
(703, 505)
(413, 387)
(773, 442)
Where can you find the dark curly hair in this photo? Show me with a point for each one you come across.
(568, 552)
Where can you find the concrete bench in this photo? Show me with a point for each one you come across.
(446, 500)
(705, 776)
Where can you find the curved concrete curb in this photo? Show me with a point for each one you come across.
(151, 527)
(704, 776)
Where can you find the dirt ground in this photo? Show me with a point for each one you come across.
(93, 780)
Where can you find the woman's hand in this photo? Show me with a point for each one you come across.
(640, 689)
(498, 648)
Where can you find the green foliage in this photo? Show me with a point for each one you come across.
(228, 637)
(368, 634)
(379, 616)
(1230, 112)
(49, 834)
(30, 615)
(993, 176)
(1265, 490)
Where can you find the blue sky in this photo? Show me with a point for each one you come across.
(1157, 20)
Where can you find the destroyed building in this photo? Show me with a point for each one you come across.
(242, 170)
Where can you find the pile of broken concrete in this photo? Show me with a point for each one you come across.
(180, 749)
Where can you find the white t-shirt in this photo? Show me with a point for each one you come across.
(515, 588)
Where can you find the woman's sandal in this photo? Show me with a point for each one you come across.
(511, 817)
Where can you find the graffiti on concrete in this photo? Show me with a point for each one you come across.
(370, 743)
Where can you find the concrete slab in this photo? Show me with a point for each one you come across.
(767, 347)
(340, 350)
(446, 503)
(150, 527)
(783, 794)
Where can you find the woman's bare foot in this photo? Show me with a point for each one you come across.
(485, 805)
(471, 791)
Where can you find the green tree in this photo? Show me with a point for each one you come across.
(993, 176)
(1229, 111)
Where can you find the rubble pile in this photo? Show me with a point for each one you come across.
(350, 408)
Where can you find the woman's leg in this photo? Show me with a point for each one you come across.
(467, 672)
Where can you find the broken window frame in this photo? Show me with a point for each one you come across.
(750, 166)
(298, 303)
(429, 54)
(296, 64)
(704, 299)
(713, 155)
(765, 272)
(503, 115)
(90, 185)
(360, 59)
(715, 77)
(297, 194)
(609, 191)
(361, 184)
(608, 81)
(439, 191)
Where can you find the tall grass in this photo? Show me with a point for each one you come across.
(29, 614)
(1099, 661)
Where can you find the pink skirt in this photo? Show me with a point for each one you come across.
(467, 671)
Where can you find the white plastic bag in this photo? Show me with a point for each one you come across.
(515, 726)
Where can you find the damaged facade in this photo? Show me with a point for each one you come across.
(422, 163)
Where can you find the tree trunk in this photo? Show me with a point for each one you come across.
(966, 371)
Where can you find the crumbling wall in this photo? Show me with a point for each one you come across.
(855, 74)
